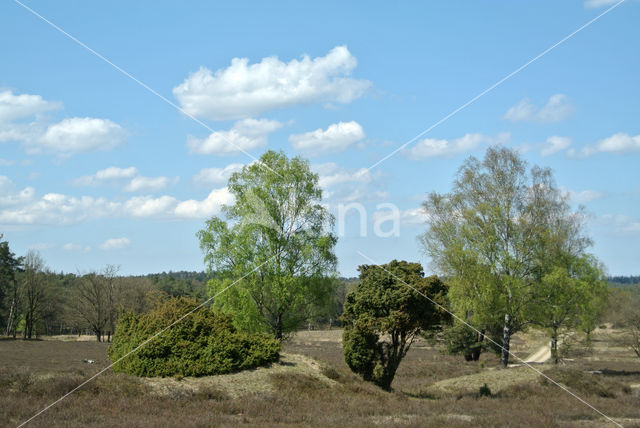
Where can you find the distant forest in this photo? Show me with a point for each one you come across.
(623, 281)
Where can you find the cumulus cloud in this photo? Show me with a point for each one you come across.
(336, 138)
(78, 135)
(148, 206)
(557, 108)
(431, 147)
(346, 185)
(112, 173)
(211, 205)
(10, 196)
(620, 143)
(115, 244)
(330, 174)
(213, 176)
(414, 216)
(245, 135)
(134, 181)
(243, 89)
(21, 121)
(24, 207)
(147, 184)
(14, 107)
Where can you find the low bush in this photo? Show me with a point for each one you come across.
(585, 383)
(484, 391)
(203, 343)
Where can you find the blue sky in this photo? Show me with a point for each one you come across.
(95, 169)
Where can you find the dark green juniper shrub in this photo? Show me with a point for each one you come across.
(383, 316)
(203, 343)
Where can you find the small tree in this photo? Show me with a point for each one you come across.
(384, 315)
(463, 340)
(570, 297)
(627, 307)
(91, 303)
(9, 266)
(33, 292)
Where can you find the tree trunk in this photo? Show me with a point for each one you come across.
(10, 319)
(475, 354)
(99, 335)
(278, 328)
(554, 345)
(506, 340)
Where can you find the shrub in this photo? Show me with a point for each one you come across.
(203, 343)
(484, 391)
(461, 339)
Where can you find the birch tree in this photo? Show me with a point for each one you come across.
(276, 247)
(488, 237)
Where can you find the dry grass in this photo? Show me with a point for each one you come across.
(244, 383)
(312, 387)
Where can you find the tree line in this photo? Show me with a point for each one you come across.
(35, 301)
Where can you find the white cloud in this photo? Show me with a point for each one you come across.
(6, 162)
(554, 144)
(64, 138)
(414, 216)
(557, 108)
(336, 138)
(430, 147)
(206, 208)
(584, 196)
(24, 207)
(245, 135)
(115, 244)
(148, 206)
(150, 184)
(209, 176)
(330, 174)
(136, 182)
(13, 107)
(599, 3)
(243, 89)
(346, 185)
(78, 135)
(10, 196)
(620, 143)
(111, 173)
(76, 247)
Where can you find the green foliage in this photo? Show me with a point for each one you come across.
(203, 343)
(461, 339)
(484, 391)
(276, 248)
(383, 315)
(9, 266)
